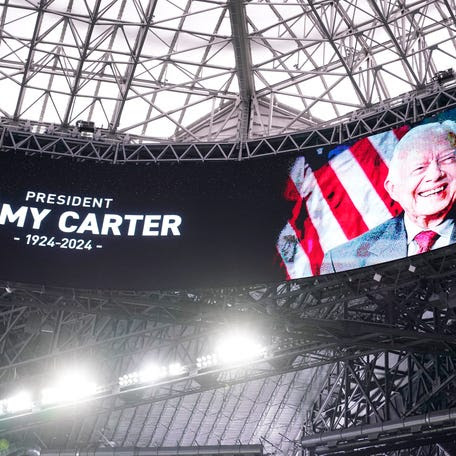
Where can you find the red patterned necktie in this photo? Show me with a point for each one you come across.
(425, 240)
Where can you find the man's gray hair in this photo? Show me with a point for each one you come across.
(436, 131)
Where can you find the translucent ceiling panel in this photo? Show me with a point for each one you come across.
(346, 55)
(128, 64)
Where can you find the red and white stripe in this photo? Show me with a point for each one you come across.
(341, 200)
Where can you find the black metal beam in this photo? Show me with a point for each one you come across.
(64, 142)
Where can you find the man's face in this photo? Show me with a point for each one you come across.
(425, 182)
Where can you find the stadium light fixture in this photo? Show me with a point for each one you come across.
(239, 347)
(207, 361)
(129, 379)
(20, 402)
(176, 369)
(151, 374)
(235, 348)
(70, 387)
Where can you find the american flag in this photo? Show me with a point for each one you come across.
(336, 201)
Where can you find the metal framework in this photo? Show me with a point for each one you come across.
(214, 70)
(225, 80)
(393, 401)
(385, 337)
(376, 346)
(408, 108)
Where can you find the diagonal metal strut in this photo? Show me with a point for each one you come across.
(243, 59)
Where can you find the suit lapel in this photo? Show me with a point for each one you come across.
(453, 235)
(391, 244)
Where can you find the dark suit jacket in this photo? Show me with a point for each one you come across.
(383, 243)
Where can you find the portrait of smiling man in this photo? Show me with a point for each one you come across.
(422, 179)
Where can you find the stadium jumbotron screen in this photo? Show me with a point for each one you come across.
(218, 224)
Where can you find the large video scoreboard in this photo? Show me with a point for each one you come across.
(190, 225)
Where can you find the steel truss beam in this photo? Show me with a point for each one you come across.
(349, 317)
(410, 108)
(327, 35)
(210, 450)
(392, 400)
(309, 60)
(411, 432)
(243, 59)
(428, 450)
(391, 387)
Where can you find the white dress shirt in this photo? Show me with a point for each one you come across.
(444, 230)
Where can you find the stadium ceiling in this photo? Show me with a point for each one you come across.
(405, 308)
(223, 71)
(214, 70)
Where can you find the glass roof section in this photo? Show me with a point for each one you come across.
(214, 70)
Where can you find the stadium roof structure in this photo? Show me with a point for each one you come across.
(214, 70)
(228, 71)
(362, 353)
